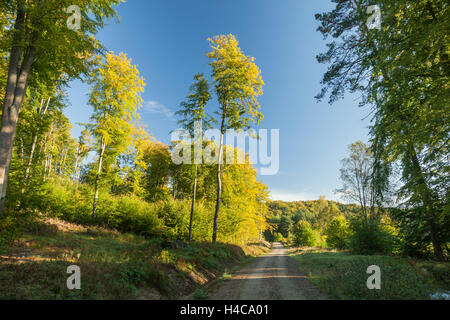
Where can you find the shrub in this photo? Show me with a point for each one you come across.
(278, 237)
(8, 231)
(135, 215)
(320, 240)
(371, 237)
(64, 199)
(338, 232)
(304, 235)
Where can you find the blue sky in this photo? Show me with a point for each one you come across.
(167, 39)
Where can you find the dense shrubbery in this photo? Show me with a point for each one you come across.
(371, 237)
(338, 232)
(64, 199)
(278, 237)
(304, 235)
(127, 213)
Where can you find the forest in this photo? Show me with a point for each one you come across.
(116, 176)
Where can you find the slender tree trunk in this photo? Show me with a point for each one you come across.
(219, 179)
(50, 158)
(77, 160)
(194, 192)
(16, 85)
(21, 150)
(97, 178)
(62, 164)
(33, 146)
(428, 204)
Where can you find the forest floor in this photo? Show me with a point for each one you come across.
(112, 265)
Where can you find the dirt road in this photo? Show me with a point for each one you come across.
(271, 277)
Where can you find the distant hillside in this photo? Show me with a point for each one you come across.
(286, 214)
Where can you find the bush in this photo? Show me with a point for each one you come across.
(135, 215)
(71, 202)
(14, 223)
(278, 237)
(304, 235)
(371, 237)
(338, 232)
(8, 231)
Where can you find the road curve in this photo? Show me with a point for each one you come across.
(274, 276)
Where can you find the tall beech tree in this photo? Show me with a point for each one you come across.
(402, 72)
(115, 97)
(238, 83)
(37, 38)
(195, 121)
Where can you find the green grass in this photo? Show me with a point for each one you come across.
(113, 265)
(200, 294)
(343, 275)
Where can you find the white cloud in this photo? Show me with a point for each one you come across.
(297, 196)
(291, 196)
(157, 107)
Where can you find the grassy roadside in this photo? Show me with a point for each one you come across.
(203, 291)
(343, 275)
(113, 265)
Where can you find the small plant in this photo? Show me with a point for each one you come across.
(9, 231)
(200, 294)
(226, 276)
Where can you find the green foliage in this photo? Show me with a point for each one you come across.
(304, 235)
(8, 231)
(402, 73)
(343, 276)
(193, 109)
(414, 232)
(135, 215)
(201, 293)
(128, 213)
(338, 232)
(371, 237)
(73, 203)
(319, 213)
(278, 237)
(238, 83)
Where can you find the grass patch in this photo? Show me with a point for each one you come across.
(113, 265)
(343, 275)
(200, 294)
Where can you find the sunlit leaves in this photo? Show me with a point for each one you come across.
(238, 82)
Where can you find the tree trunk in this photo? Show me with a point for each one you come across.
(33, 146)
(50, 158)
(428, 204)
(77, 160)
(97, 178)
(194, 192)
(16, 85)
(219, 180)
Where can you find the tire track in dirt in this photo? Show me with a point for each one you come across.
(275, 276)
